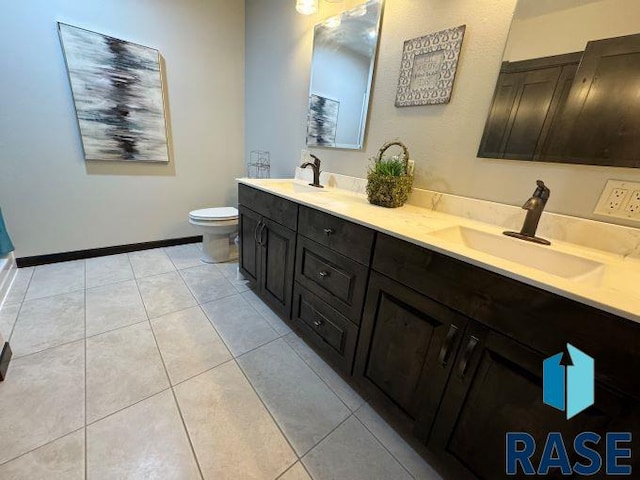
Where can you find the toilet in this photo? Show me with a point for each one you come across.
(216, 226)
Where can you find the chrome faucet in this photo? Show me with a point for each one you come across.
(534, 207)
(315, 166)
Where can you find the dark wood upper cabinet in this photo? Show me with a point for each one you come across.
(599, 122)
(528, 95)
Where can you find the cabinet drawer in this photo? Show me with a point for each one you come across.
(278, 209)
(350, 239)
(335, 278)
(325, 327)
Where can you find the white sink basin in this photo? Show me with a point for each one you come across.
(296, 186)
(540, 257)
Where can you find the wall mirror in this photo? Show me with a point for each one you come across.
(569, 86)
(344, 55)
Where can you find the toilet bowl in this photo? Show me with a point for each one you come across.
(216, 226)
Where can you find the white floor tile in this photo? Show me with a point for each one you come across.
(48, 322)
(56, 278)
(41, 399)
(114, 306)
(150, 262)
(188, 343)
(184, 256)
(110, 269)
(241, 327)
(304, 407)
(123, 367)
(166, 293)
(232, 433)
(62, 459)
(207, 283)
(19, 287)
(144, 441)
(351, 452)
(8, 316)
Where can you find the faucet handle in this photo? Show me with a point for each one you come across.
(316, 160)
(542, 191)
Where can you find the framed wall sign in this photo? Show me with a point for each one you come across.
(428, 68)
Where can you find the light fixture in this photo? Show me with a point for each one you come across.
(307, 7)
(333, 22)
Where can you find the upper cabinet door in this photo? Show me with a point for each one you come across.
(527, 96)
(599, 124)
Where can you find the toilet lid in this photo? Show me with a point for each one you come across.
(220, 213)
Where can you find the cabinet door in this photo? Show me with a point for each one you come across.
(276, 273)
(492, 144)
(495, 388)
(249, 257)
(600, 122)
(406, 348)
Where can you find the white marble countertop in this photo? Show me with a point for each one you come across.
(615, 288)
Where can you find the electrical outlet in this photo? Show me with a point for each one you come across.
(616, 198)
(620, 199)
(633, 205)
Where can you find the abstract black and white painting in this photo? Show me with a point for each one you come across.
(117, 91)
(428, 68)
(322, 123)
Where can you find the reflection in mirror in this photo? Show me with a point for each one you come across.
(569, 86)
(344, 52)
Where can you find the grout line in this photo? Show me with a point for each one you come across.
(175, 400)
(20, 357)
(326, 436)
(41, 446)
(383, 445)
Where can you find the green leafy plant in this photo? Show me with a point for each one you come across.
(389, 167)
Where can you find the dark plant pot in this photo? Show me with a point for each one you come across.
(387, 191)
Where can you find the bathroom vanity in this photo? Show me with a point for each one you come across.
(447, 345)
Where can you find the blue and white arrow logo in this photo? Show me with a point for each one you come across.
(569, 381)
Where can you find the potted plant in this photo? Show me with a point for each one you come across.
(389, 179)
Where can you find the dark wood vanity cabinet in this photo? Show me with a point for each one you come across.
(267, 248)
(451, 352)
(527, 98)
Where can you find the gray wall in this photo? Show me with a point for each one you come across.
(52, 200)
(442, 139)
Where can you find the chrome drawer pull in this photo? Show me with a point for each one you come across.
(318, 323)
(323, 274)
(329, 231)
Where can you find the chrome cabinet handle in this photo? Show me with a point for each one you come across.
(263, 243)
(329, 231)
(471, 346)
(445, 351)
(318, 323)
(323, 274)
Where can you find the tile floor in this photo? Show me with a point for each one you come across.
(152, 365)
